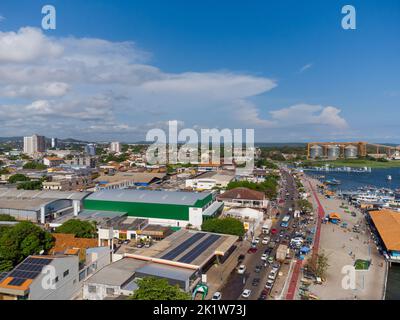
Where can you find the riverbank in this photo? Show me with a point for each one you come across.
(343, 247)
(355, 163)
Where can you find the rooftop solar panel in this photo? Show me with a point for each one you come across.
(183, 246)
(195, 252)
(16, 282)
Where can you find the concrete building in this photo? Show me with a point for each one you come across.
(90, 149)
(123, 180)
(34, 144)
(52, 161)
(210, 180)
(173, 208)
(67, 183)
(39, 206)
(54, 143)
(115, 147)
(27, 282)
(244, 197)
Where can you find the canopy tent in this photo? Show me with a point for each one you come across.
(305, 249)
(334, 217)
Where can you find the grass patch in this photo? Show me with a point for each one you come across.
(362, 264)
(355, 163)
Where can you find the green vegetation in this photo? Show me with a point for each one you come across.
(19, 241)
(30, 185)
(265, 163)
(269, 186)
(6, 217)
(225, 226)
(354, 163)
(305, 205)
(117, 158)
(17, 178)
(34, 166)
(362, 264)
(151, 288)
(320, 266)
(81, 229)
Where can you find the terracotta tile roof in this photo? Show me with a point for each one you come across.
(242, 193)
(68, 244)
(387, 222)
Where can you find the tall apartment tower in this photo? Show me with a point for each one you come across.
(34, 144)
(90, 149)
(54, 142)
(115, 147)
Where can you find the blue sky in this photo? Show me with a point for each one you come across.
(285, 68)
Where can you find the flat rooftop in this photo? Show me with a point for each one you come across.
(387, 222)
(149, 196)
(189, 247)
(40, 194)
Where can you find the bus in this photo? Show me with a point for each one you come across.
(285, 221)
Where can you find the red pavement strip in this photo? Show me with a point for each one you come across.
(297, 267)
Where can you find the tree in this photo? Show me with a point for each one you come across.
(151, 288)
(30, 185)
(320, 265)
(19, 241)
(34, 166)
(225, 226)
(18, 177)
(305, 205)
(6, 217)
(81, 229)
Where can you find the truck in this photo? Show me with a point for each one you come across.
(281, 252)
(266, 228)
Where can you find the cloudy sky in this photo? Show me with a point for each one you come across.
(112, 70)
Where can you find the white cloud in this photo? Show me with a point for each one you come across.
(2, 18)
(306, 67)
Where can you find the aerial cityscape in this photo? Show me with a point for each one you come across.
(200, 151)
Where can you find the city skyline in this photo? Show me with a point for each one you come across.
(287, 70)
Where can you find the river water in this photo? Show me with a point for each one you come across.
(376, 178)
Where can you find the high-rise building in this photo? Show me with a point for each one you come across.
(34, 144)
(54, 142)
(90, 149)
(115, 147)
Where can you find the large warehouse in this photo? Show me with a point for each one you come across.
(173, 208)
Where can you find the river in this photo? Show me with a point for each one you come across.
(376, 178)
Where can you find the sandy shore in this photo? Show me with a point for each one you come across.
(343, 247)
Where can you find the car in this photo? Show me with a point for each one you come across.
(139, 245)
(265, 240)
(241, 269)
(272, 275)
(241, 257)
(252, 250)
(255, 282)
(246, 293)
(275, 267)
(217, 296)
(269, 284)
(294, 226)
(257, 269)
(256, 240)
(274, 231)
(264, 257)
(262, 297)
(270, 259)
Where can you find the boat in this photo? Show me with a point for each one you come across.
(332, 182)
(389, 177)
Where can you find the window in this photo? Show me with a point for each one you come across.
(92, 289)
(110, 291)
(66, 273)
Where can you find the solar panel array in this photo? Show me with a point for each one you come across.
(195, 252)
(183, 246)
(29, 269)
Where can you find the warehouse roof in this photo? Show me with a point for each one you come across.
(165, 271)
(149, 196)
(39, 194)
(242, 193)
(387, 222)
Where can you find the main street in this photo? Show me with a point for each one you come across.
(236, 283)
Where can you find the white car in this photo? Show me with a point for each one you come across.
(256, 240)
(241, 269)
(269, 284)
(264, 257)
(272, 275)
(246, 293)
(217, 296)
(265, 240)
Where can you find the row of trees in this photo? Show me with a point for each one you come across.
(269, 186)
(224, 225)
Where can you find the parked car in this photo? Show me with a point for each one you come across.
(256, 240)
(257, 269)
(272, 275)
(275, 267)
(274, 231)
(246, 293)
(269, 284)
(252, 250)
(217, 296)
(256, 282)
(241, 269)
(241, 257)
(264, 257)
(270, 259)
(265, 240)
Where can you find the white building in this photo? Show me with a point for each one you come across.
(115, 147)
(210, 180)
(34, 144)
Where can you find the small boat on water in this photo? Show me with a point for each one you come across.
(389, 177)
(332, 182)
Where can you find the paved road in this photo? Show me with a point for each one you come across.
(236, 283)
